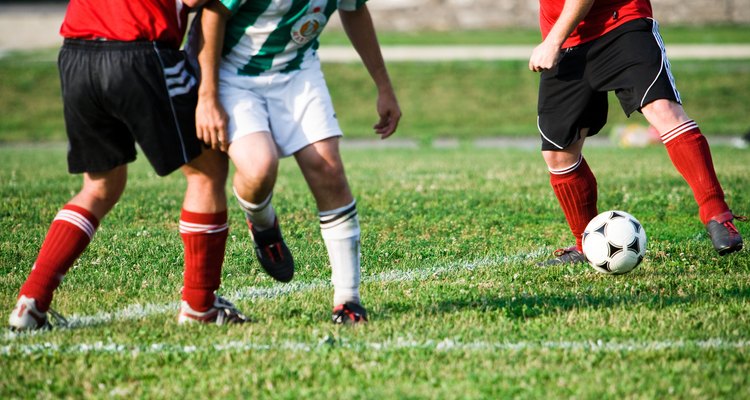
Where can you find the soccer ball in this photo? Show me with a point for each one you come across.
(614, 242)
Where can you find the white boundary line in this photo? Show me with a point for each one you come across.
(441, 53)
(326, 344)
(438, 53)
(141, 311)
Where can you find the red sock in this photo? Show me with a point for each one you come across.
(67, 237)
(205, 238)
(690, 154)
(575, 188)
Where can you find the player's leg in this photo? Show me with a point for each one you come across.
(68, 236)
(256, 161)
(254, 153)
(100, 146)
(689, 151)
(323, 170)
(204, 230)
(569, 111)
(690, 154)
(647, 85)
(163, 121)
(575, 188)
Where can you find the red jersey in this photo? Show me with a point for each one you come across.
(604, 16)
(126, 20)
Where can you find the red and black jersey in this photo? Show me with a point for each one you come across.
(604, 16)
(126, 20)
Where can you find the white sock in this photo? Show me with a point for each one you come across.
(262, 215)
(340, 231)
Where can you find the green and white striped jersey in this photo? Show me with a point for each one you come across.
(276, 35)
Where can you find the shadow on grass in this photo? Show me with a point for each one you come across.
(533, 306)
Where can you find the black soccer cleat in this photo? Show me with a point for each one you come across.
(272, 253)
(724, 235)
(570, 255)
(349, 313)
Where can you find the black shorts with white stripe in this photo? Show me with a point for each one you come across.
(117, 94)
(629, 60)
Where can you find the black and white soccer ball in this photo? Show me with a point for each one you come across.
(614, 242)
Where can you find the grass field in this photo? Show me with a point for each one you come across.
(457, 308)
(450, 238)
(671, 33)
(435, 97)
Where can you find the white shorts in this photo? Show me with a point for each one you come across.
(294, 107)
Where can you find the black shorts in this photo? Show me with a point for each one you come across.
(116, 94)
(630, 60)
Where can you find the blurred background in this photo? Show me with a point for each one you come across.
(33, 23)
(459, 67)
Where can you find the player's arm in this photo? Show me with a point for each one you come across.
(547, 54)
(361, 32)
(194, 3)
(210, 117)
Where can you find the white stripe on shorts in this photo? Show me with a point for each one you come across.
(664, 64)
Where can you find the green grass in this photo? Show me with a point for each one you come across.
(436, 98)
(457, 310)
(529, 36)
(449, 239)
(487, 99)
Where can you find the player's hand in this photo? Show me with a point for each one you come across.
(545, 56)
(211, 123)
(390, 114)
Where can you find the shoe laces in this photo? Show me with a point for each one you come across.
(227, 312)
(730, 225)
(562, 252)
(60, 321)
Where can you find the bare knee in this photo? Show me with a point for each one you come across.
(106, 195)
(208, 172)
(326, 169)
(664, 114)
(559, 160)
(101, 190)
(254, 179)
(328, 183)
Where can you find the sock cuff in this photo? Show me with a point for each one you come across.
(569, 169)
(252, 207)
(78, 217)
(342, 296)
(339, 210)
(678, 130)
(203, 223)
(343, 224)
(200, 300)
(333, 218)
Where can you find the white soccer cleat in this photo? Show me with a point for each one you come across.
(222, 312)
(26, 317)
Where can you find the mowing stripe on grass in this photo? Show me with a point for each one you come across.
(327, 344)
(141, 311)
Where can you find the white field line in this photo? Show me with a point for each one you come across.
(437, 53)
(141, 311)
(326, 344)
